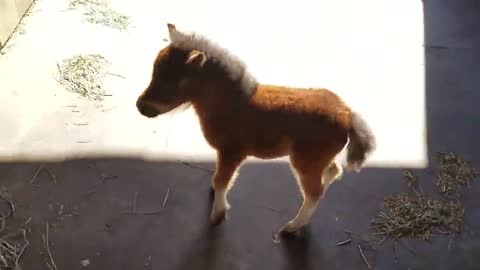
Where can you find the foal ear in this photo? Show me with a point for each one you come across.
(171, 29)
(196, 59)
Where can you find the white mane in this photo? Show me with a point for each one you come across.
(232, 64)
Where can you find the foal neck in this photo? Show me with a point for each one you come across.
(214, 95)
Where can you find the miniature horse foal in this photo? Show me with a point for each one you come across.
(240, 117)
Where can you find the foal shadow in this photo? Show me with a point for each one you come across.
(205, 251)
(300, 250)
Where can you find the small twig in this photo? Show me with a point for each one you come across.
(166, 198)
(75, 111)
(47, 247)
(4, 261)
(27, 243)
(2, 227)
(272, 209)
(344, 242)
(83, 141)
(108, 177)
(90, 193)
(451, 241)
(103, 177)
(151, 212)
(440, 231)
(117, 75)
(12, 210)
(107, 95)
(109, 109)
(145, 213)
(363, 256)
(407, 247)
(37, 173)
(197, 167)
(52, 176)
(395, 250)
(80, 124)
(411, 179)
(135, 203)
(381, 241)
(11, 249)
(27, 221)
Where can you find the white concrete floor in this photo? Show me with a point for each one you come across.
(370, 52)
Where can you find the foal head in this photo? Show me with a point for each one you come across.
(189, 66)
(175, 72)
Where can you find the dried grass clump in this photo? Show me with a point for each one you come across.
(410, 215)
(453, 173)
(83, 75)
(11, 249)
(11, 252)
(416, 215)
(99, 12)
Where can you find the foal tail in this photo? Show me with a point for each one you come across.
(362, 142)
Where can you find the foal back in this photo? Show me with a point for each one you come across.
(278, 119)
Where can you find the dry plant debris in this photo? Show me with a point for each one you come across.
(364, 258)
(99, 12)
(410, 215)
(453, 173)
(11, 250)
(416, 215)
(45, 237)
(83, 75)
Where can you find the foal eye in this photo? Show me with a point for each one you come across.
(182, 82)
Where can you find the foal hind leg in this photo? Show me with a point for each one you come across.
(332, 172)
(309, 176)
(227, 164)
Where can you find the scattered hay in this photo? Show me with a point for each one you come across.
(409, 215)
(82, 74)
(364, 258)
(11, 250)
(99, 12)
(51, 264)
(453, 173)
(416, 215)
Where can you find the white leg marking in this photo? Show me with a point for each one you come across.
(304, 215)
(220, 203)
(220, 206)
(332, 172)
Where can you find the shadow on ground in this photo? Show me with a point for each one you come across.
(93, 219)
(90, 204)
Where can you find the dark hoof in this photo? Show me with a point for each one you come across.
(218, 218)
(287, 232)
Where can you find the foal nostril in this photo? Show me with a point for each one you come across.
(139, 104)
(146, 110)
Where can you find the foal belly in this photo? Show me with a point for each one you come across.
(269, 149)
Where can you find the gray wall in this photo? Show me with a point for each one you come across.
(11, 11)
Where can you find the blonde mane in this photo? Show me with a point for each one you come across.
(234, 67)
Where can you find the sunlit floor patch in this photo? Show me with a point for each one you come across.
(373, 59)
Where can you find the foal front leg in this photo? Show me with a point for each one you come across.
(227, 164)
